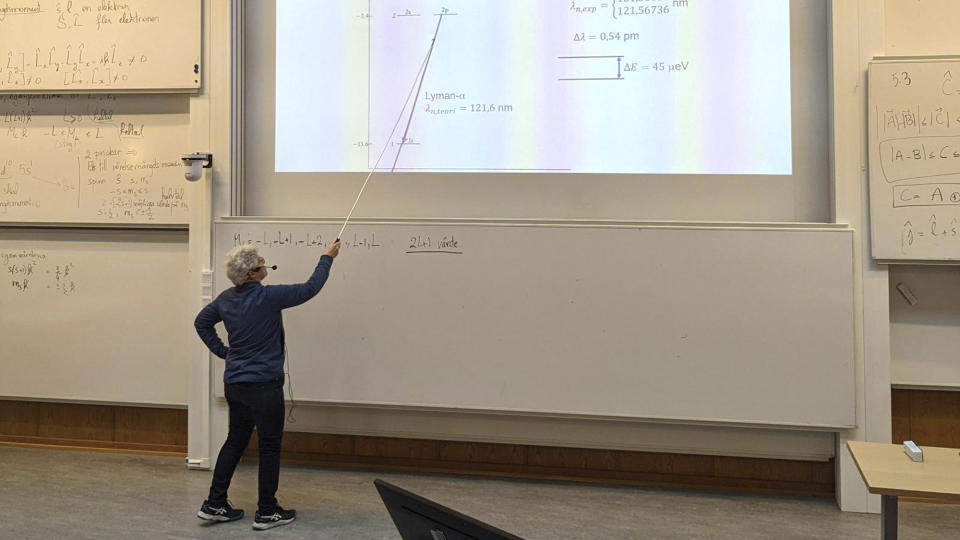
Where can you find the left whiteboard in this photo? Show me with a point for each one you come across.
(95, 315)
(96, 158)
(100, 45)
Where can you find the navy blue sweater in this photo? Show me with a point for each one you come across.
(251, 313)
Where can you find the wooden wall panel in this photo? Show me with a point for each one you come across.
(935, 418)
(18, 418)
(315, 443)
(390, 448)
(929, 418)
(577, 464)
(572, 458)
(900, 415)
(94, 426)
(782, 470)
(470, 452)
(165, 430)
(76, 421)
(673, 464)
(143, 425)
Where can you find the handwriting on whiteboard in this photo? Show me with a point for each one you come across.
(86, 158)
(431, 244)
(82, 44)
(35, 272)
(915, 160)
(415, 244)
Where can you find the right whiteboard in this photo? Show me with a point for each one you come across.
(914, 157)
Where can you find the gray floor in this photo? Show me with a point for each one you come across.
(48, 493)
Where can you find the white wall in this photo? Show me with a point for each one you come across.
(857, 36)
(927, 27)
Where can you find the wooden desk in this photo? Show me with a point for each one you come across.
(889, 472)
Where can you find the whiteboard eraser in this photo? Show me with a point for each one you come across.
(907, 294)
(912, 450)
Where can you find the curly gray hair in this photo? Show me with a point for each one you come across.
(240, 261)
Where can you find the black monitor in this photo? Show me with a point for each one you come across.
(418, 518)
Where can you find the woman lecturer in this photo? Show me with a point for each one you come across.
(253, 378)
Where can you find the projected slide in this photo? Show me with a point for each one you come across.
(569, 86)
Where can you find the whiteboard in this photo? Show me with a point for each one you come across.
(750, 326)
(914, 158)
(100, 158)
(93, 45)
(94, 315)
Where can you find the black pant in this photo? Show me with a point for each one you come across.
(252, 404)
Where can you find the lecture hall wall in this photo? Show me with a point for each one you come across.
(908, 28)
(931, 329)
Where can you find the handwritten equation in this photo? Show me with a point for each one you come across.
(919, 141)
(35, 272)
(305, 240)
(88, 158)
(933, 194)
(75, 66)
(83, 45)
(917, 120)
(423, 243)
(919, 157)
(934, 231)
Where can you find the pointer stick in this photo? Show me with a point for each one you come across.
(377, 164)
(421, 74)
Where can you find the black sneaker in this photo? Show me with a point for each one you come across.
(279, 516)
(219, 512)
